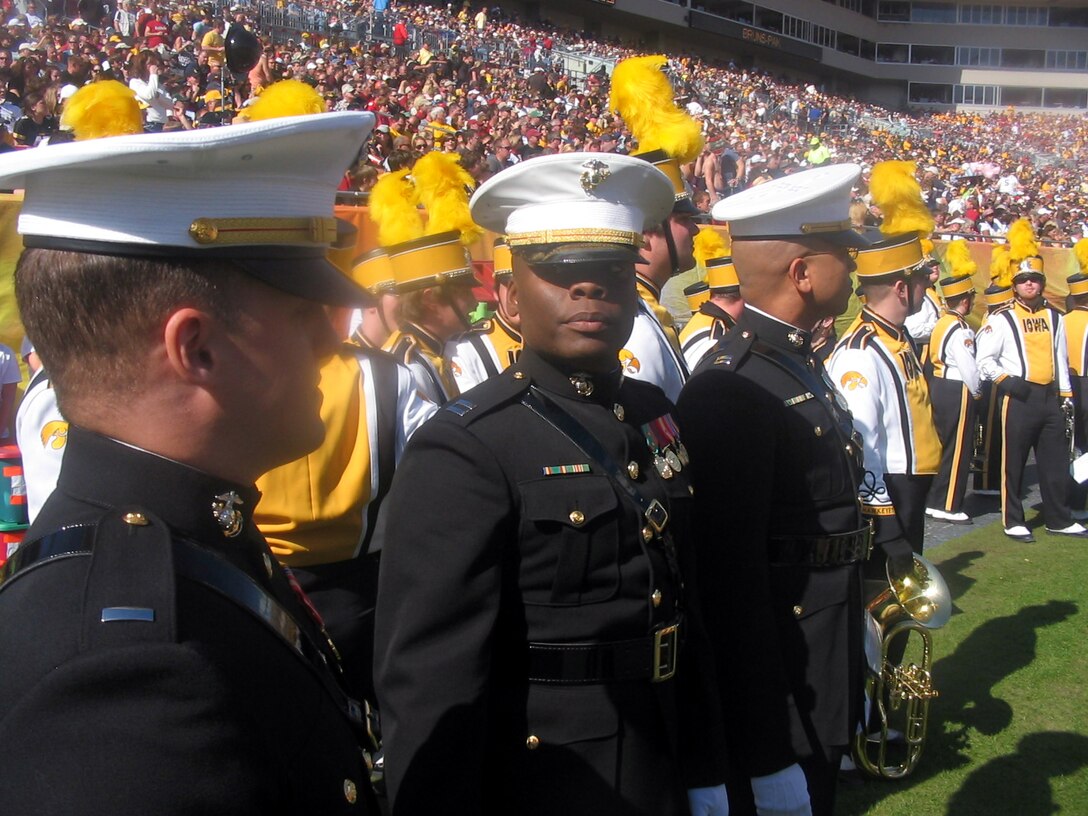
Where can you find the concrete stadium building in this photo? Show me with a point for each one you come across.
(918, 53)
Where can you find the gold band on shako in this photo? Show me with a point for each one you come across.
(503, 260)
(1078, 284)
(895, 255)
(374, 272)
(671, 168)
(997, 296)
(956, 286)
(722, 274)
(270, 231)
(697, 294)
(430, 260)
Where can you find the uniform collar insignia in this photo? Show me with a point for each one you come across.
(227, 516)
(583, 384)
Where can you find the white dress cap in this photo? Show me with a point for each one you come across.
(574, 198)
(813, 203)
(260, 194)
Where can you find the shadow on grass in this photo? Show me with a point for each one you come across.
(952, 570)
(965, 680)
(1020, 783)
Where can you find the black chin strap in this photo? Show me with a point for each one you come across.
(674, 257)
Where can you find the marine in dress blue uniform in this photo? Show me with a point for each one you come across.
(538, 651)
(777, 519)
(155, 655)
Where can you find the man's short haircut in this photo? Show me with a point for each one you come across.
(93, 318)
(410, 305)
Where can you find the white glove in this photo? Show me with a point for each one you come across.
(708, 801)
(783, 793)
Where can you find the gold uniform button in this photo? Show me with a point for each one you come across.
(577, 518)
(818, 431)
(617, 409)
(798, 611)
(632, 469)
(656, 598)
(135, 519)
(745, 335)
(533, 742)
(647, 533)
(351, 793)
(519, 375)
(850, 449)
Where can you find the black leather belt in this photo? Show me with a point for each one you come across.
(650, 658)
(832, 550)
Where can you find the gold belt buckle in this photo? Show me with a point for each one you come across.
(665, 649)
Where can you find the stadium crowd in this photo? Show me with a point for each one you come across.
(498, 90)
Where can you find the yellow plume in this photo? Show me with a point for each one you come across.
(927, 247)
(1022, 243)
(959, 260)
(105, 108)
(709, 244)
(897, 192)
(288, 97)
(1080, 249)
(442, 185)
(643, 96)
(1001, 265)
(393, 209)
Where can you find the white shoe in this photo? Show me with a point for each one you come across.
(934, 513)
(1020, 533)
(847, 763)
(958, 518)
(1074, 529)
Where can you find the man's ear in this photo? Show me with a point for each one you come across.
(799, 273)
(189, 340)
(512, 305)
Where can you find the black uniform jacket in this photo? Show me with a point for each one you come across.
(491, 544)
(202, 709)
(773, 460)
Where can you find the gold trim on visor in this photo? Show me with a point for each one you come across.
(576, 235)
(826, 226)
(281, 231)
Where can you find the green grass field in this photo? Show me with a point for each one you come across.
(1009, 732)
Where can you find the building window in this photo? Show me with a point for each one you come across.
(932, 12)
(821, 35)
(892, 52)
(989, 14)
(1022, 58)
(1067, 60)
(1025, 16)
(975, 94)
(769, 20)
(739, 12)
(1021, 97)
(933, 55)
(1068, 18)
(797, 28)
(927, 93)
(984, 57)
(893, 11)
(1065, 98)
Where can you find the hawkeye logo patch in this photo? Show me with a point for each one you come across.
(853, 380)
(54, 434)
(630, 362)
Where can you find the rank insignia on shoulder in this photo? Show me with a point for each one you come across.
(564, 470)
(723, 359)
(799, 399)
(460, 406)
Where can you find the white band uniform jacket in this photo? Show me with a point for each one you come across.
(875, 368)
